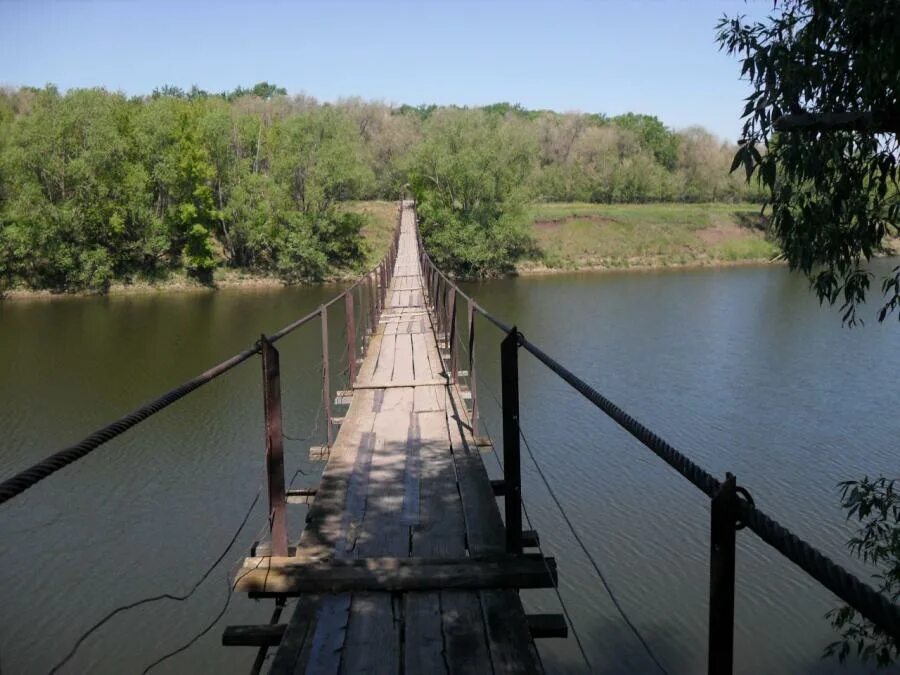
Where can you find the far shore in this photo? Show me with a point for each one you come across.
(536, 269)
(246, 282)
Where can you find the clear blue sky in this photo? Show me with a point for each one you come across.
(656, 57)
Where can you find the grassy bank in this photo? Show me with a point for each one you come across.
(614, 236)
(381, 219)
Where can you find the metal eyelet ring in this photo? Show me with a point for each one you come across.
(739, 525)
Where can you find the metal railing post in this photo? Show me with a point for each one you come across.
(471, 313)
(439, 307)
(373, 304)
(723, 535)
(351, 338)
(274, 447)
(454, 368)
(326, 378)
(512, 470)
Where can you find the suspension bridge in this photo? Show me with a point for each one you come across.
(411, 559)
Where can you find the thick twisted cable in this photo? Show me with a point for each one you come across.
(866, 600)
(701, 478)
(22, 481)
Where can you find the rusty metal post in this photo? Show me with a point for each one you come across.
(471, 316)
(373, 306)
(512, 470)
(274, 447)
(326, 377)
(377, 287)
(351, 337)
(723, 535)
(454, 366)
(439, 307)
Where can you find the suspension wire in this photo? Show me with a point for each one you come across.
(559, 597)
(163, 596)
(581, 544)
(606, 585)
(315, 367)
(187, 645)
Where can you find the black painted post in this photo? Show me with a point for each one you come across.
(351, 337)
(326, 377)
(723, 535)
(274, 447)
(372, 287)
(512, 470)
(472, 379)
(454, 367)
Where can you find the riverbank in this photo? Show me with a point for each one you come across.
(381, 218)
(569, 237)
(582, 237)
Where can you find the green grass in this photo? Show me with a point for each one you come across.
(381, 219)
(572, 236)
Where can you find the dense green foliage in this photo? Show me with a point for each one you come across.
(834, 196)
(469, 175)
(875, 504)
(833, 191)
(96, 187)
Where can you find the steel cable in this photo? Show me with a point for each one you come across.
(16, 485)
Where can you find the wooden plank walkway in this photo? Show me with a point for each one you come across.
(404, 480)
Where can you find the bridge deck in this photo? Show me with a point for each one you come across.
(404, 480)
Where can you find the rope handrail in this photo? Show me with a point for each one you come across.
(873, 605)
(20, 482)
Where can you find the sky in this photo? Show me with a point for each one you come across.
(602, 56)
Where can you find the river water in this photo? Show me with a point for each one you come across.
(738, 368)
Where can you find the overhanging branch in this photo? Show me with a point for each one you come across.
(876, 121)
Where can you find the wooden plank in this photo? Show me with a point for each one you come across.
(398, 384)
(511, 646)
(373, 631)
(373, 637)
(396, 574)
(322, 653)
(421, 365)
(411, 473)
(403, 359)
(547, 625)
(467, 647)
(444, 629)
(262, 635)
(385, 367)
(423, 637)
(429, 398)
(295, 637)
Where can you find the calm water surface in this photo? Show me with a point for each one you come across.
(738, 368)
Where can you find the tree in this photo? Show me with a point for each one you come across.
(316, 163)
(876, 506)
(653, 136)
(820, 133)
(469, 177)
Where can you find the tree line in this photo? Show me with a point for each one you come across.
(97, 187)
